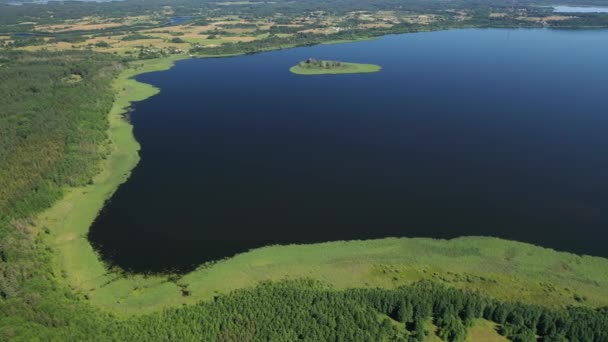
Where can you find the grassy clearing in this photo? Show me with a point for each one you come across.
(344, 68)
(431, 329)
(498, 268)
(484, 331)
(72, 79)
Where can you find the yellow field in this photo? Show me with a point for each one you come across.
(161, 37)
(423, 19)
(91, 23)
(545, 19)
(194, 35)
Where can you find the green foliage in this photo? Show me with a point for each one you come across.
(26, 41)
(69, 38)
(306, 311)
(51, 133)
(50, 130)
(135, 36)
(102, 44)
(317, 63)
(177, 40)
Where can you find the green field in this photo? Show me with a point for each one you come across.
(343, 68)
(501, 269)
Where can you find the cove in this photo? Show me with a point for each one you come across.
(464, 132)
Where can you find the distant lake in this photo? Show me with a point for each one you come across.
(574, 9)
(177, 21)
(23, 35)
(44, 2)
(466, 132)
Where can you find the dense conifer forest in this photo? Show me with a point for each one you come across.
(53, 126)
(53, 122)
(306, 311)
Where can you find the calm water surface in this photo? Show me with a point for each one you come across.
(574, 9)
(468, 132)
(177, 21)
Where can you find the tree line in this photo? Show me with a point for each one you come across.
(307, 311)
(53, 122)
(317, 63)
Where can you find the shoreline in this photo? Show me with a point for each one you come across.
(500, 268)
(70, 218)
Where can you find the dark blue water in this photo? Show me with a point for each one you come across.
(177, 21)
(470, 132)
(23, 35)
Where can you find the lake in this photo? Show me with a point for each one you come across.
(575, 9)
(177, 21)
(44, 2)
(488, 132)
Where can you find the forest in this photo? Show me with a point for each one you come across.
(307, 311)
(52, 134)
(52, 128)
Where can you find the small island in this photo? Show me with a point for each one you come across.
(313, 66)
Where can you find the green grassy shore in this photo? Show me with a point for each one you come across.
(502, 269)
(70, 218)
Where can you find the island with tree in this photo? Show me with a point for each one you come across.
(313, 66)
